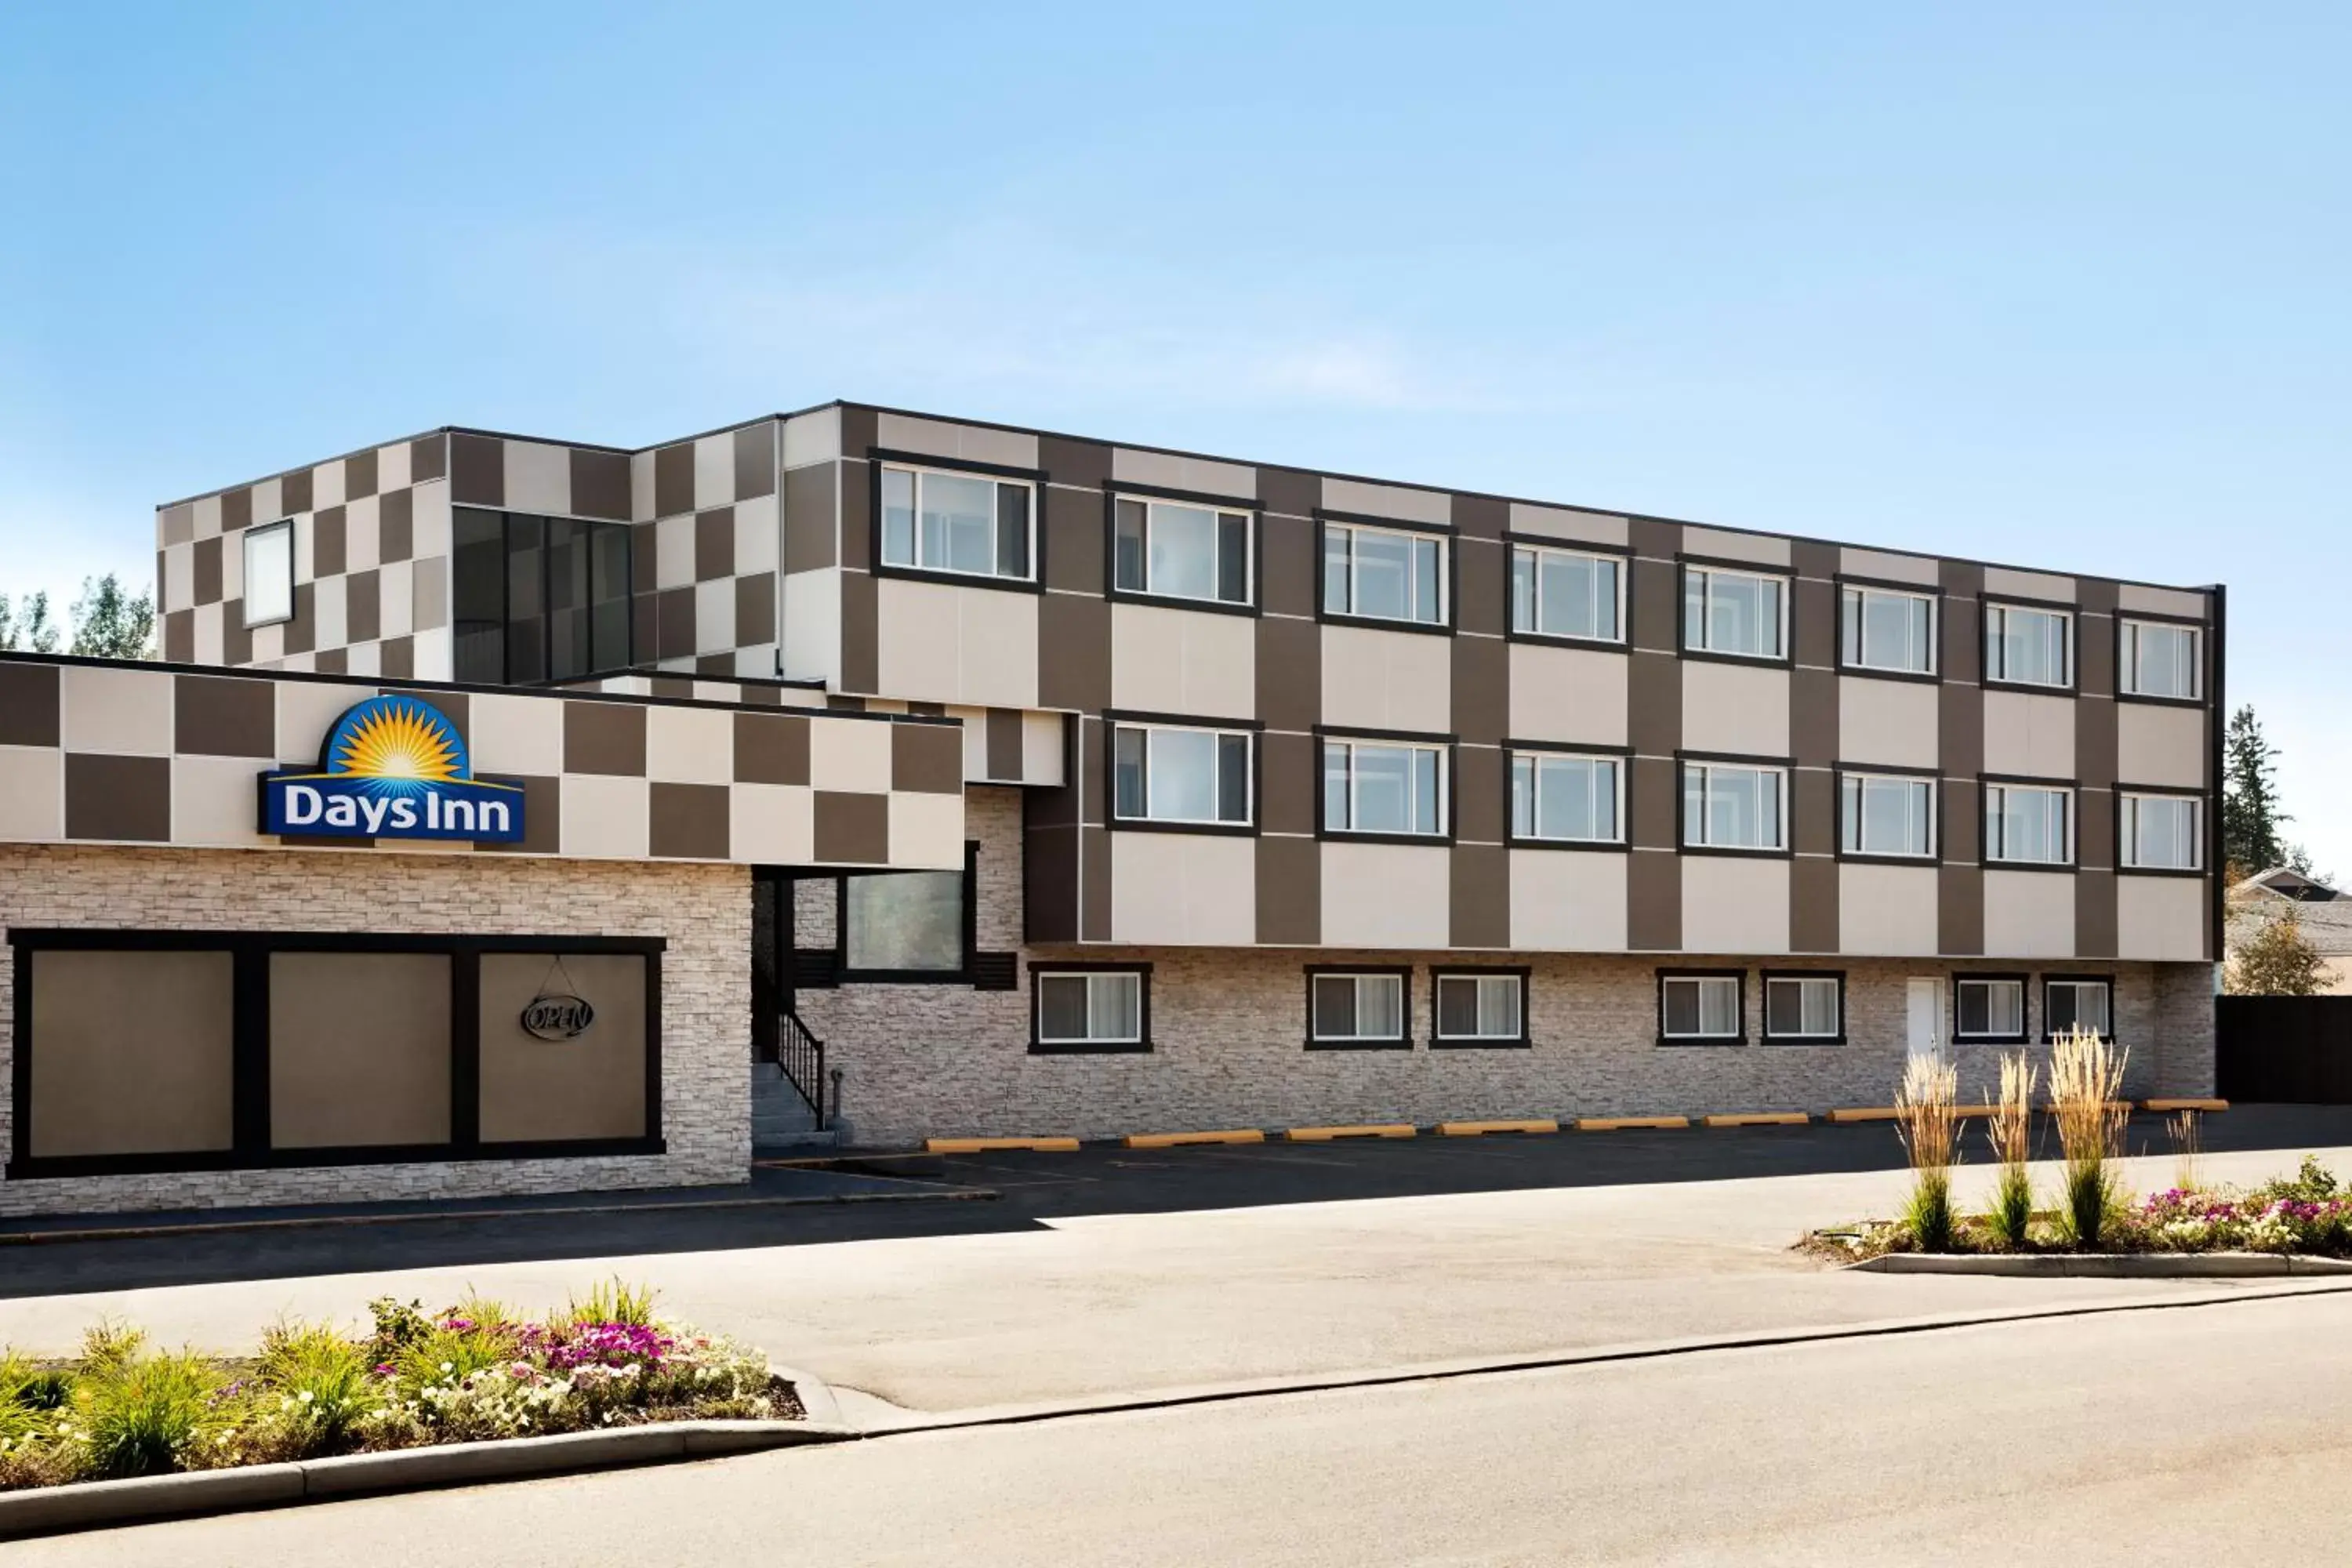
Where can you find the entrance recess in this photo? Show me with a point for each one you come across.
(1923, 1006)
(778, 1036)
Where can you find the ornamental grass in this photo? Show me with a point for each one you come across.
(1926, 1116)
(2086, 1076)
(2010, 1130)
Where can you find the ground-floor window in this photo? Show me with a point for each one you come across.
(1478, 1007)
(1988, 1009)
(1357, 1008)
(2074, 1000)
(1701, 1007)
(1804, 1009)
(1090, 1007)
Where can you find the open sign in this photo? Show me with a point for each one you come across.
(558, 1018)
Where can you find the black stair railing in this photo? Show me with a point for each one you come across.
(801, 1055)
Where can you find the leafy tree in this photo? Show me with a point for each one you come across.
(2278, 960)
(110, 624)
(27, 627)
(2250, 818)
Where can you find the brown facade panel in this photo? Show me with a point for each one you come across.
(2094, 914)
(1654, 901)
(2094, 743)
(1960, 718)
(861, 633)
(688, 821)
(1481, 689)
(1289, 892)
(302, 631)
(1002, 737)
(2094, 828)
(600, 484)
(1093, 890)
(1073, 652)
(28, 705)
(1483, 575)
(1963, 649)
(857, 426)
(1654, 598)
(1652, 803)
(755, 609)
(1959, 910)
(594, 1086)
(755, 460)
(714, 544)
(1479, 794)
(1653, 705)
(1289, 773)
(180, 637)
(857, 516)
(1071, 536)
(605, 738)
(236, 508)
(1069, 461)
(926, 759)
(1287, 560)
(396, 522)
(1813, 812)
(206, 560)
(853, 829)
(673, 480)
(333, 661)
(810, 518)
(1290, 673)
(428, 460)
(295, 489)
(360, 475)
(127, 798)
(131, 1053)
(1480, 915)
(1813, 608)
(329, 539)
(363, 606)
(542, 816)
(221, 716)
(359, 1049)
(478, 470)
(674, 632)
(1961, 825)
(1813, 717)
(1049, 865)
(1293, 492)
(2095, 637)
(396, 658)
(1814, 904)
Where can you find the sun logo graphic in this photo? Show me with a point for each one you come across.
(392, 767)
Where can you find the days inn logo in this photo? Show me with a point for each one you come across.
(392, 767)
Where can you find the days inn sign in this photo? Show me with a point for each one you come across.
(392, 767)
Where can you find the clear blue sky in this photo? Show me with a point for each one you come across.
(2063, 285)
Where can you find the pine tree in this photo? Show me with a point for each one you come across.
(2277, 960)
(27, 627)
(2250, 818)
(110, 624)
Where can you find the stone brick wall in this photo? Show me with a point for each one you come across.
(1229, 1030)
(704, 911)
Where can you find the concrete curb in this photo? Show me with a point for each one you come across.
(2104, 1265)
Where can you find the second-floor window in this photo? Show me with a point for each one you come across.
(2159, 659)
(1886, 813)
(1726, 806)
(1381, 787)
(2160, 832)
(1181, 552)
(1566, 799)
(1889, 630)
(1566, 594)
(269, 573)
(1167, 774)
(2027, 825)
(1743, 614)
(2029, 648)
(1383, 574)
(966, 523)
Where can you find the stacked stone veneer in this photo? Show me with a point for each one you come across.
(1229, 1031)
(703, 910)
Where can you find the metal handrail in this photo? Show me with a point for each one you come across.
(800, 1055)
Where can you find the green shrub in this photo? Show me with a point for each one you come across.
(610, 1302)
(1927, 1212)
(323, 1384)
(146, 1415)
(2011, 1214)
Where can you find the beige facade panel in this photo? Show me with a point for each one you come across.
(926, 831)
(1044, 755)
(1764, 549)
(1887, 910)
(1386, 895)
(536, 1090)
(772, 825)
(1172, 470)
(1733, 904)
(940, 643)
(1183, 890)
(813, 437)
(1736, 708)
(856, 763)
(1893, 723)
(812, 612)
(2161, 745)
(1387, 680)
(605, 817)
(358, 1048)
(2028, 734)
(32, 793)
(1187, 662)
(1571, 695)
(120, 712)
(538, 477)
(131, 1052)
(2162, 918)
(1889, 567)
(2003, 580)
(2029, 914)
(308, 710)
(519, 735)
(939, 438)
(1568, 901)
(2132, 598)
(693, 745)
(213, 801)
(1571, 525)
(1398, 501)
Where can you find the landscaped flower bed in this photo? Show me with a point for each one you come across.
(473, 1372)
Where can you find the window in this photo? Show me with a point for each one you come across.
(1701, 1007)
(2072, 1004)
(1728, 807)
(269, 573)
(1383, 574)
(1165, 773)
(1886, 813)
(538, 598)
(2028, 826)
(904, 923)
(2029, 648)
(1804, 1008)
(1181, 552)
(1566, 594)
(1378, 786)
(1989, 1009)
(966, 523)
(1091, 1010)
(1488, 1007)
(1885, 629)
(2159, 660)
(1736, 613)
(1569, 800)
(1355, 1009)
(2160, 833)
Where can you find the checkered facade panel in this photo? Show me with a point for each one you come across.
(100, 751)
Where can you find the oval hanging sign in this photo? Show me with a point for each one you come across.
(558, 1018)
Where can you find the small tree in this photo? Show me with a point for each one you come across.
(2250, 818)
(26, 627)
(2278, 960)
(110, 624)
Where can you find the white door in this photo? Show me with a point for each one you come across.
(1927, 1016)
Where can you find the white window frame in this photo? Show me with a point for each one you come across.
(996, 522)
(1536, 555)
(1441, 584)
(1779, 844)
(1996, 620)
(2024, 1030)
(2129, 660)
(2077, 984)
(1850, 815)
(1996, 798)
(1853, 608)
(1217, 510)
(1354, 744)
(283, 528)
(1040, 978)
(1400, 978)
(1535, 760)
(1696, 638)
(1151, 729)
(1487, 983)
(1738, 983)
(1834, 1034)
(2128, 807)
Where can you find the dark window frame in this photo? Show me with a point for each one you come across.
(1401, 1041)
(1785, 766)
(1450, 572)
(1117, 719)
(506, 622)
(1938, 792)
(244, 544)
(1738, 1038)
(2074, 614)
(2205, 668)
(2161, 792)
(1449, 745)
(1523, 1040)
(1514, 541)
(880, 458)
(1786, 575)
(959, 975)
(1937, 597)
(2024, 1007)
(1621, 755)
(1039, 1046)
(1114, 491)
(1765, 1034)
(2107, 980)
(2068, 787)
